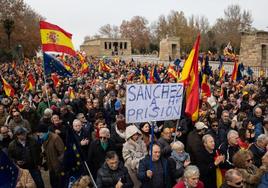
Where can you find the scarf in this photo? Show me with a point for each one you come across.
(122, 135)
(179, 158)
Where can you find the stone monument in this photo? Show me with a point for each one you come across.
(107, 47)
(169, 48)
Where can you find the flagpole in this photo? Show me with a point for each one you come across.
(91, 177)
(44, 75)
(151, 145)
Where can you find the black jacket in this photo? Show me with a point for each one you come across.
(228, 151)
(30, 154)
(96, 155)
(205, 163)
(258, 153)
(108, 178)
(165, 147)
(145, 164)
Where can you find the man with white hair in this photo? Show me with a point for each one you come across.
(258, 149)
(98, 149)
(228, 149)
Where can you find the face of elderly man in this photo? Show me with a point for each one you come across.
(77, 126)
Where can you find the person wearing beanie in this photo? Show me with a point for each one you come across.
(134, 149)
(54, 150)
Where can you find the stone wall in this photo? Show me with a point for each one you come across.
(251, 53)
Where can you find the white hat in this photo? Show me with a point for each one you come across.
(131, 130)
(200, 125)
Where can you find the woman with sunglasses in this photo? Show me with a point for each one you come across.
(243, 161)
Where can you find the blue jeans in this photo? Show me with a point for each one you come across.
(36, 175)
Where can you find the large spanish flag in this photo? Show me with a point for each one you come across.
(10, 92)
(190, 78)
(30, 84)
(55, 39)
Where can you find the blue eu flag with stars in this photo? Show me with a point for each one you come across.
(8, 172)
(53, 65)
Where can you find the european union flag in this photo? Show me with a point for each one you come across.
(8, 172)
(53, 65)
(72, 160)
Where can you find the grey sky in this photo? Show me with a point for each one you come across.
(85, 17)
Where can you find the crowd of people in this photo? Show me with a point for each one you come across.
(226, 147)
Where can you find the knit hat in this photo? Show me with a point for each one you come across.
(42, 128)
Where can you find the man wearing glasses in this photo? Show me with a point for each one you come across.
(98, 150)
(233, 178)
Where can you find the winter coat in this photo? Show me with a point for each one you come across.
(258, 153)
(194, 145)
(207, 168)
(118, 140)
(54, 151)
(32, 117)
(133, 152)
(228, 151)
(23, 123)
(252, 176)
(30, 154)
(108, 178)
(144, 165)
(165, 147)
(3, 118)
(96, 155)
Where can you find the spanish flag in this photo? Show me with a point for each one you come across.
(154, 76)
(10, 92)
(84, 68)
(172, 72)
(144, 76)
(235, 70)
(190, 78)
(55, 39)
(104, 67)
(30, 83)
(205, 86)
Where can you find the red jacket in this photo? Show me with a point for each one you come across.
(181, 184)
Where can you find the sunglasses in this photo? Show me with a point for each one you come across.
(103, 137)
(215, 125)
(239, 183)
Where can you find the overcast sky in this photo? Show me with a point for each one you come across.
(85, 17)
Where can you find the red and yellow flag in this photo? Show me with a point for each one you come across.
(84, 68)
(104, 67)
(172, 72)
(30, 83)
(10, 92)
(55, 39)
(190, 78)
(71, 93)
(235, 70)
(205, 86)
(55, 79)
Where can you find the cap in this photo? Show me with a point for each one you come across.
(200, 125)
(42, 128)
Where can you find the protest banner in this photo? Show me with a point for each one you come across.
(153, 102)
